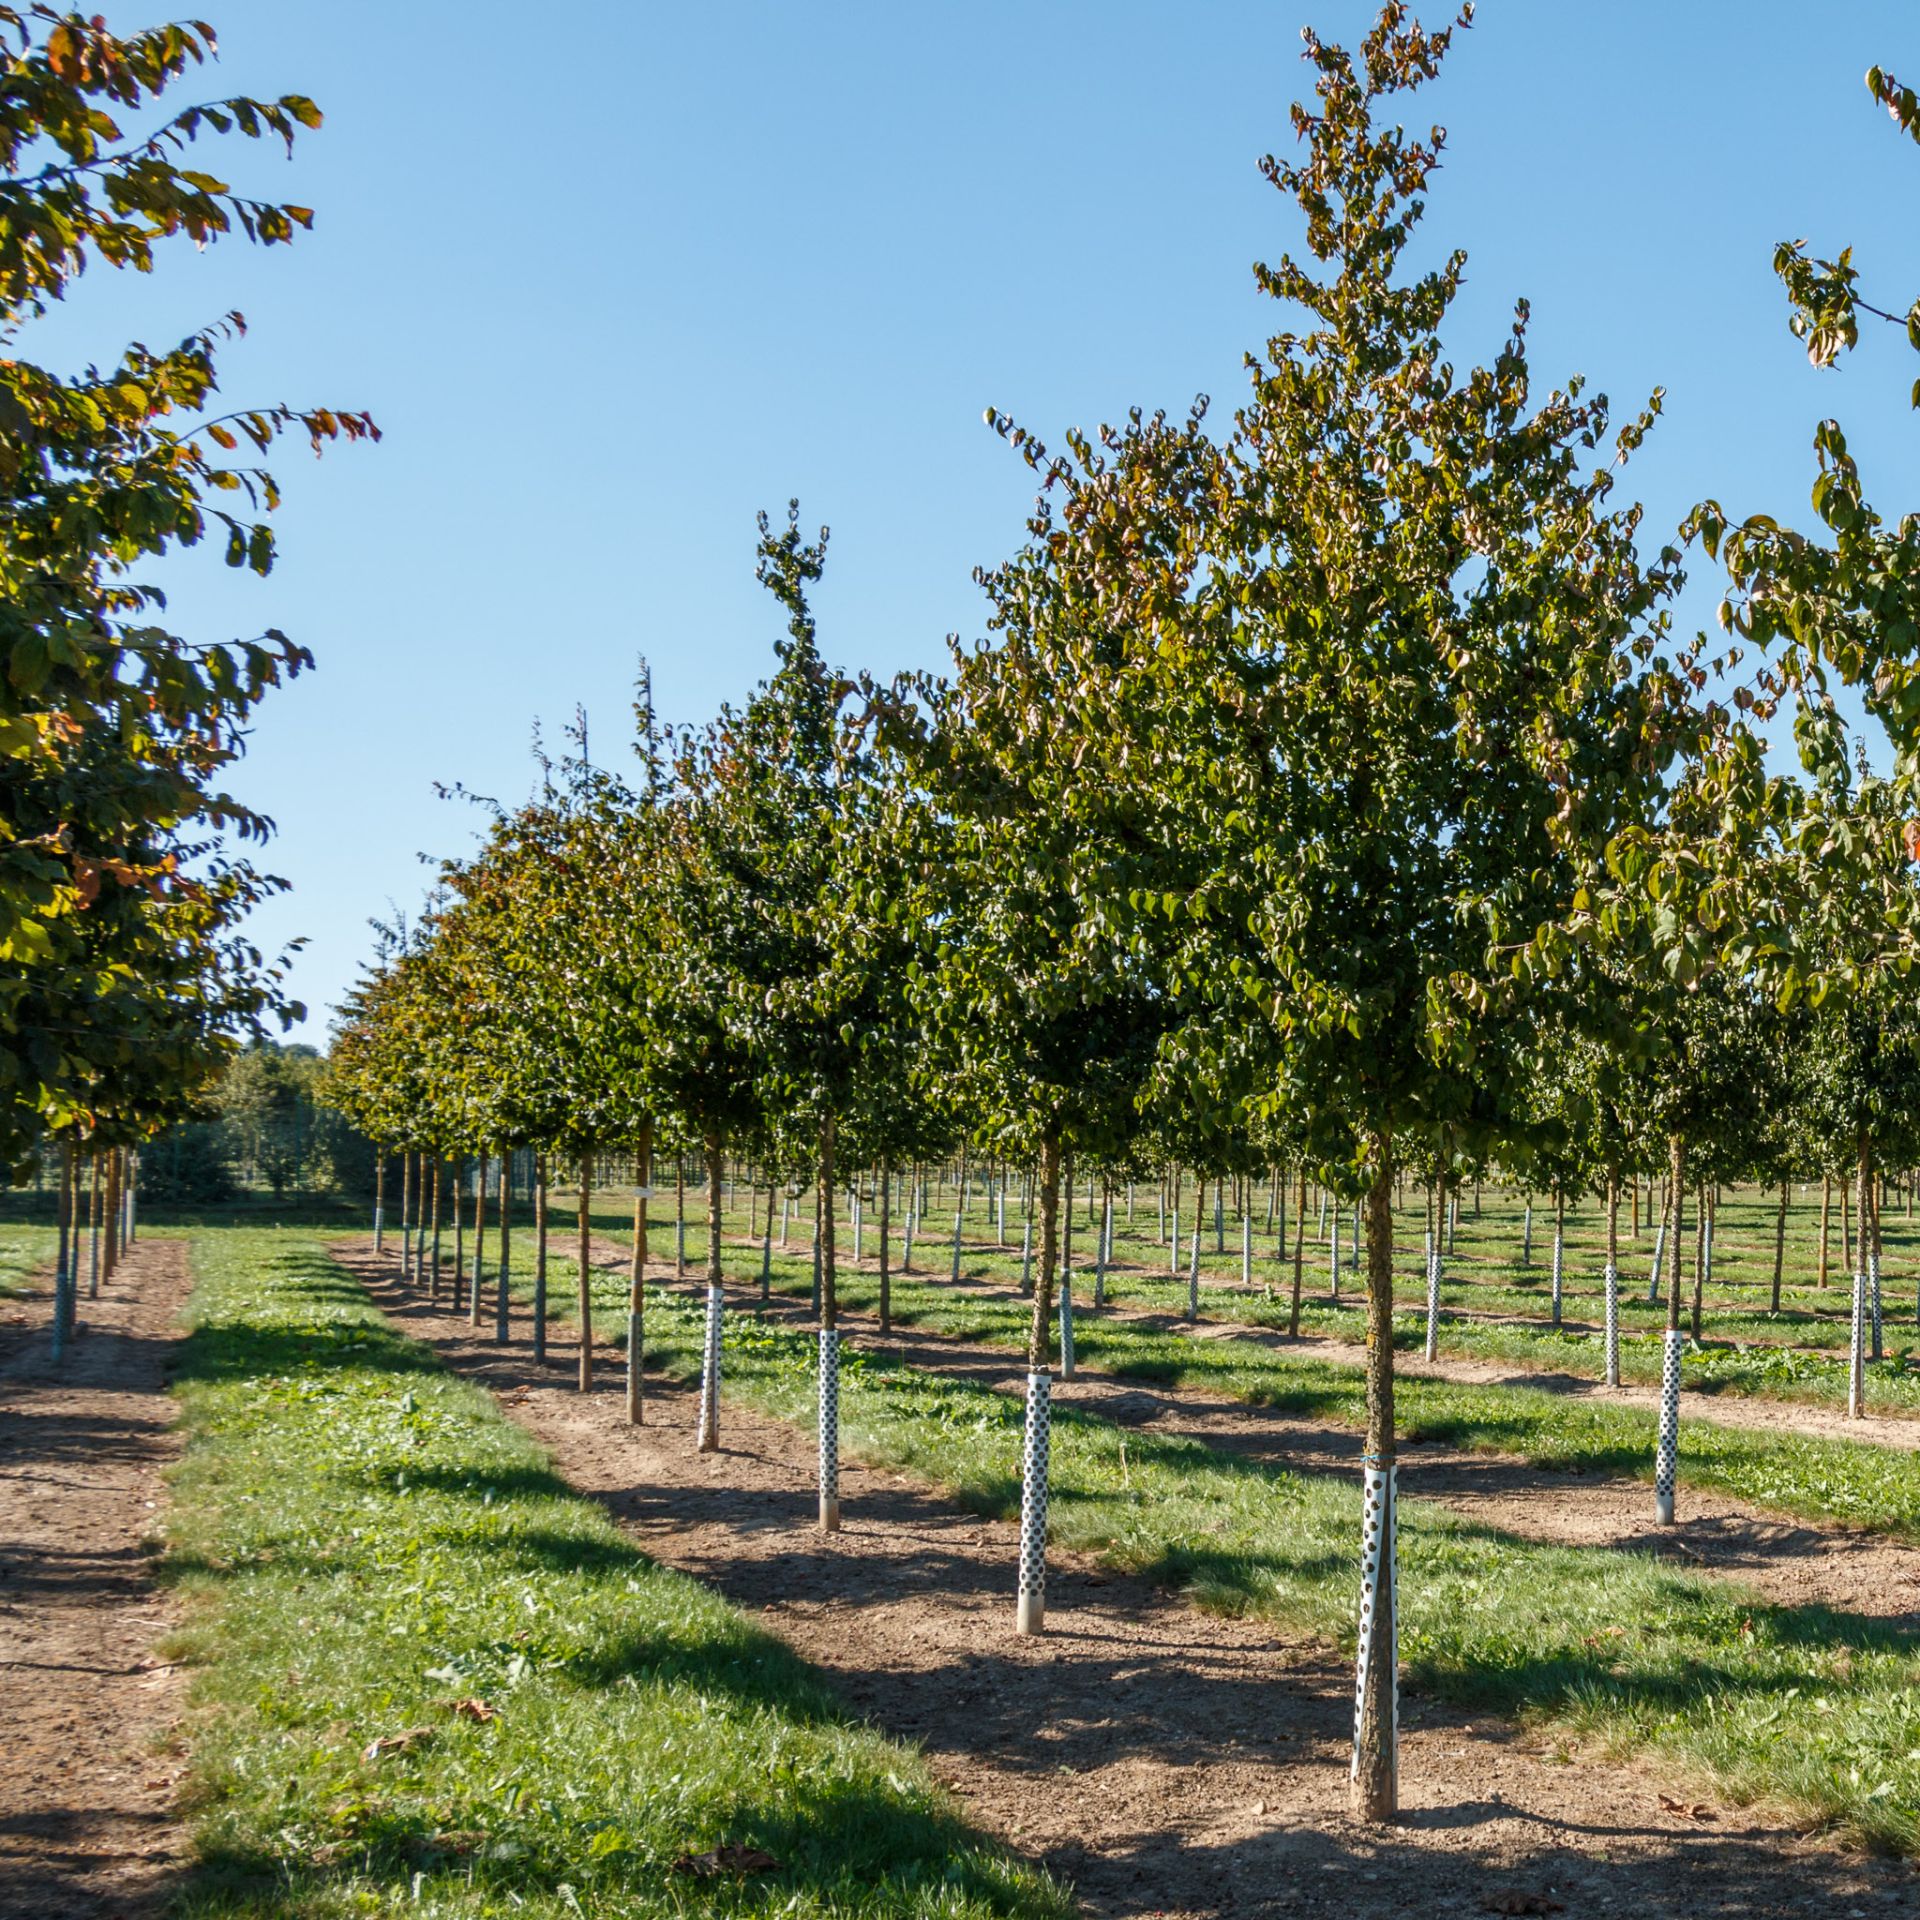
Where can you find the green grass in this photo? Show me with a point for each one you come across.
(364, 1541)
(24, 1250)
(1813, 1708)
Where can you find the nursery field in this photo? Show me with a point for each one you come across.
(436, 1631)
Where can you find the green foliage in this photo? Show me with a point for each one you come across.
(120, 969)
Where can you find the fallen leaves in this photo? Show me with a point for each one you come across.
(473, 1709)
(1687, 1809)
(397, 1743)
(728, 1859)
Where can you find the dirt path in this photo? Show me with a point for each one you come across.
(1165, 1761)
(85, 1828)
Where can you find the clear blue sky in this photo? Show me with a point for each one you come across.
(614, 276)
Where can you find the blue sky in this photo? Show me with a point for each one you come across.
(612, 278)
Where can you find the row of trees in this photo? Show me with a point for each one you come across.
(125, 978)
(1331, 789)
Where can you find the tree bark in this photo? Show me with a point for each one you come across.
(637, 1278)
(583, 1247)
(479, 1241)
(1826, 1214)
(503, 1298)
(1299, 1252)
(709, 1430)
(1780, 1242)
(886, 1226)
(539, 1259)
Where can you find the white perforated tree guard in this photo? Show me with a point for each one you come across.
(1659, 1248)
(1033, 1503)
(1666, 1457)
(1066, 1323)
(709, 1441)
(1433, 1299)
(829, 1429)
(1378, 1666)
(1857, 1354)
(1559, 1259)
(1612, 1281)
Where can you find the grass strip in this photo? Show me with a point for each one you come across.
(432, 1676)
(24, 1250)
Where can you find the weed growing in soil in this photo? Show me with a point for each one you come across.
(433, 1676)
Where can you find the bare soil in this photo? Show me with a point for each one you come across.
(1164, 1761)
(86, 1831)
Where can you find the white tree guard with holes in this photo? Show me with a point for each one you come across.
(1666, 1457)
(1659, 1250)
(1033, 1503)
(1559, 1269)
(1066, 1323)
(829, 1429)
(1873, 1301)
(1433, 1299)
(1336, 1253)
(1193, 1278)
(1526, 1238)
(709, 1441)
(1103, 1252)
(1612, 1281)
(1246, 1249)
(1857, 1352)
(1026, 1256)
(1378, 1665)
(379, 1228)
(957, 1217)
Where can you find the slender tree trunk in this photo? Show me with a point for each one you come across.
(1847, 1261)
(709, 1436)
(1034, 1470)
(1699, 1262)
(93, 1225)
(583, 1249)
(431, 1173)
(1193, 1259)
(1857, 1355)
(886, 1219)
(828, 1395)
(1375, 1780)
(680, 1216)
(479, 1241)
(540, 1259)
(1667, 1448)
(379, 1198)
(637, 1279)
(1780, 1241)
(1612, 1275)
(459, 1232)
(63, 1262)
(503, 1293)
(406, 1215)
(1299, 1252)
(1826, 1214)
(113, 1211)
